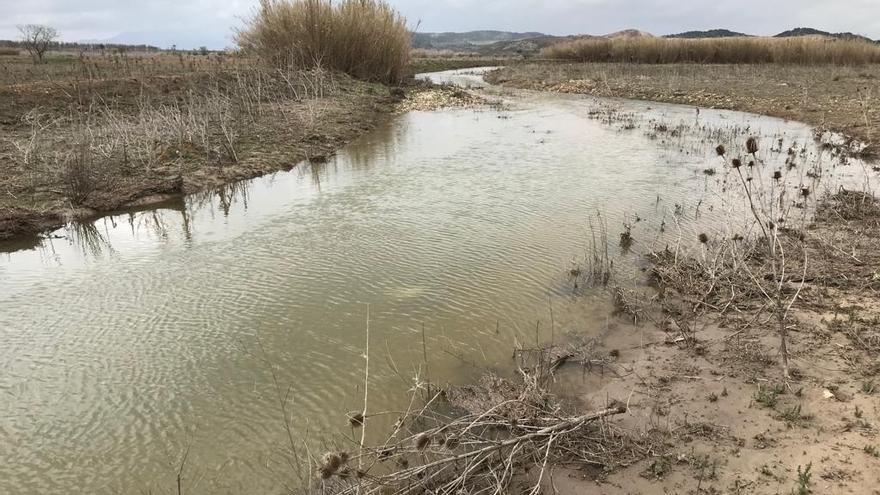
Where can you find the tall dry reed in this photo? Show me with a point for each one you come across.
(802, 50)
(366, 39)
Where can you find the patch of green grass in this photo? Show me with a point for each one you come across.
(768, 396)
(803, 480)
(795, 416)
(869, 387)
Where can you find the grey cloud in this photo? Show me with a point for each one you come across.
(190, 23)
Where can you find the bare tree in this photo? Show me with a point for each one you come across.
(36, 39)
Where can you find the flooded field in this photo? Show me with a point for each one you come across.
(132, 340)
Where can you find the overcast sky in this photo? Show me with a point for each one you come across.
(191, 23)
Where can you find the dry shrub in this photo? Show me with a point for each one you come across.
(366, 39)
(9, 52)
(850, 206)
(79, 175)
(494, 431)
(802, 50)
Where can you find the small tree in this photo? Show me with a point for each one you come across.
(36, 39)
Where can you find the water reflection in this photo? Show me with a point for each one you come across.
(90, 239)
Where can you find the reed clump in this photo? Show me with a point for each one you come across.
(366, 39)
(801, 50)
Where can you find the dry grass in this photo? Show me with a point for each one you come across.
(366, 39)
(208, 125)
(9, 52)
(93, 133)
(91, 67)
(802, 50)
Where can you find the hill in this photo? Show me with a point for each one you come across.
(468, 41)
(805, 31)
(629, 33)
(711, 33)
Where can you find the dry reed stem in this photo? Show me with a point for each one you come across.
(366, 39)
(802, 50)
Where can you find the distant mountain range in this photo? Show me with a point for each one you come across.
(505, 42)
(791, 33)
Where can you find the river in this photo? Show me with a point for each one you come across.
(147, 334)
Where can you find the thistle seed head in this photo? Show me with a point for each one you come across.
(752, 145)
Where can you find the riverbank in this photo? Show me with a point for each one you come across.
(705, 372)
(840, 99)
(89, 136)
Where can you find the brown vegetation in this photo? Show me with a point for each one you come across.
(366, 39)
(89, 134)
(800, 50)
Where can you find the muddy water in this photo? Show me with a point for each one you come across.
(131, 340)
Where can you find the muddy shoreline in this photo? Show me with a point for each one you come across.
(22, 222)
(704, 372)
(345, 120)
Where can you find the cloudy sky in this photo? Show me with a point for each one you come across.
(191, 23)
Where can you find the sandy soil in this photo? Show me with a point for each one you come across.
(714, 415)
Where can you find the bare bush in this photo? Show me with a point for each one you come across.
(79, 175)
(37, 39)
(501, 429)
(366, 39)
